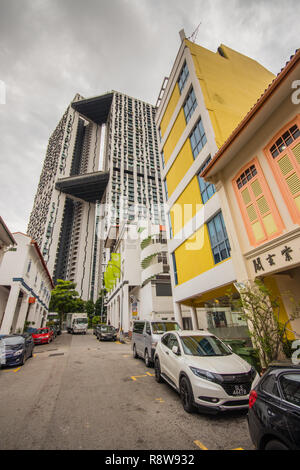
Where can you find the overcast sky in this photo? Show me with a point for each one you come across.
(52, 49)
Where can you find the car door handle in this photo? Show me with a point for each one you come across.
(167, 352)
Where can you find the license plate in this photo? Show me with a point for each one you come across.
(239, 390)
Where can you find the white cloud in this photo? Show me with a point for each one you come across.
(50, 50)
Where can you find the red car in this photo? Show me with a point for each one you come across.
(42, 335)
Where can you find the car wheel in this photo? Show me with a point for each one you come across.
(276, 445)
(23, 360)
(147, 359)
(186, 395)
(134, 353)
(158, 376)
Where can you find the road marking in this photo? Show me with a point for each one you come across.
(160, 400)
(11, 370)
(134, 377)
(200, 445)
(151, 375)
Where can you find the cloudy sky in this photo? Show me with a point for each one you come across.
(52, 49)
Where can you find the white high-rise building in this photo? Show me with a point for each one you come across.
(64, 215)
(102, 169)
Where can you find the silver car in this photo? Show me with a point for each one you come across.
(145, 336)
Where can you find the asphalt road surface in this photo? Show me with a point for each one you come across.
(79, 393)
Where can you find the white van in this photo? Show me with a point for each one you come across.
(145, 336)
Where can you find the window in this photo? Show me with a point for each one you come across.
(163, 290)
(183, 77)
(246, 176)
(138, 327)
(173, 341)
(290, 386)
(148, 329)
(269, 385)
(163, 159)
(190, 105)
(29, 266)
(218, 238)
(285, 140)
(165, 339)
(197, 138)
(207, 189)
(175, 269)
(166, 189)
(257, 205)
(170, 225)
(284, 158)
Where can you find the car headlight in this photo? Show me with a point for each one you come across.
(205, 374)
(18, 353)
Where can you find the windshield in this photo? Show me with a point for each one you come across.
(41, 331)
(81, 320)
(13, 341)
(204, 346)
(161, 327)
(107, 328)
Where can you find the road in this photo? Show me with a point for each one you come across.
(79, 393)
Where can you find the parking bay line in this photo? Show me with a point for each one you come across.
(134, 377)
(202, 446)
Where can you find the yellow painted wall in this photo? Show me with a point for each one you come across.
(230, 86)
(186, 206)
(174, 136)
(170, 109)
(271, 284)
(194, 256)
(179, 168)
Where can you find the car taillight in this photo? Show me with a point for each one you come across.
(252, 398)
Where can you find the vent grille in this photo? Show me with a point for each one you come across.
(285, 165)
(251, 213)
(262, 205)
(246, 196)
(256, 188)
(293, 183)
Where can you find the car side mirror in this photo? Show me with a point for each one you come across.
(176, 350)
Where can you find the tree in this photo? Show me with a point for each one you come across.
(65, 299)
(100, 308)
(90, 308)
(262, 312)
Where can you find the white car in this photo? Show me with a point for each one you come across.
(204, 371)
